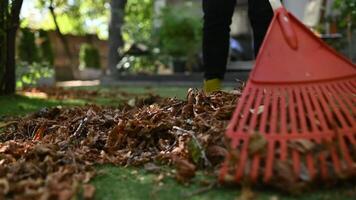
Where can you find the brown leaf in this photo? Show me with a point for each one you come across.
(39, 133)
(4, 186)
(257, 111)
(88, 191)
(65, 194)
(5, 124)
(185, 170)
(257, 143)
(116, 136)
(302, 145)
(215, 151)
(247, 194)
(285, 179)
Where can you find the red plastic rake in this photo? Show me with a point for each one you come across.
(300, 102)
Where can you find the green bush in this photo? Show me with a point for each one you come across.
(138, 21)
(29, 74)
(347, 10)
(35, 57)
(180, 33)
(89, 56)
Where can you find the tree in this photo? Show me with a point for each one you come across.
(72, 15)
(52, 5)
(9, 23)
(115, 33)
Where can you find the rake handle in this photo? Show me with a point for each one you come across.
(282, 15)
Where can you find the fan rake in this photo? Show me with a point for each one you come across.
(298, 107)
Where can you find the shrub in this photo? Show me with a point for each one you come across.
(180, 33)
(35, 57)
(89, 56)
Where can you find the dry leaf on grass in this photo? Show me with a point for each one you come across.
(88, 191)
(185, 170)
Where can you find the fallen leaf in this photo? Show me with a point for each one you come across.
(257, 143)
(257, 111)
(39, 133)
(185, 170)
(88, 191)
(247, 194)
(302, 145)
(5, 124)
(216, 154)
(4, 186)
(132, 102)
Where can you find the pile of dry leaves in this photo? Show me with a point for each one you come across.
(50, 154)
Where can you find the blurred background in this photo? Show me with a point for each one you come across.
(133, 40)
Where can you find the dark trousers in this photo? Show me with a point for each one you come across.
(216, 32)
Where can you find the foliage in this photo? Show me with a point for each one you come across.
(180, 33)
(347, 10)
(77, 16)
(35, 60)
(27, 49)
(133, 64)
(136, 30)
(29, 74)
(138, 21)
(89, 56)
(344, 20)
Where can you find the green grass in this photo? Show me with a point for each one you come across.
(131, 183)
(18, 105)
(136, 184)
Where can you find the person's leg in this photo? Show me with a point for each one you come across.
(260, 14)
(216, 36)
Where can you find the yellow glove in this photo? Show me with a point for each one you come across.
(212, 85)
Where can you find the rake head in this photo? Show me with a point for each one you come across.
(297, 111)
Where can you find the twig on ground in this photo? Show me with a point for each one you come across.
(80, 128)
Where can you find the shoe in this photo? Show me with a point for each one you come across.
(212, 85)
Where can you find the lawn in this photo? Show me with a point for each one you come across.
(114, 182)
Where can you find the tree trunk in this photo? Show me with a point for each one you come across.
(115, 36)
(63, 40)
(3, 43)
(10, 78)
(11, 25)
